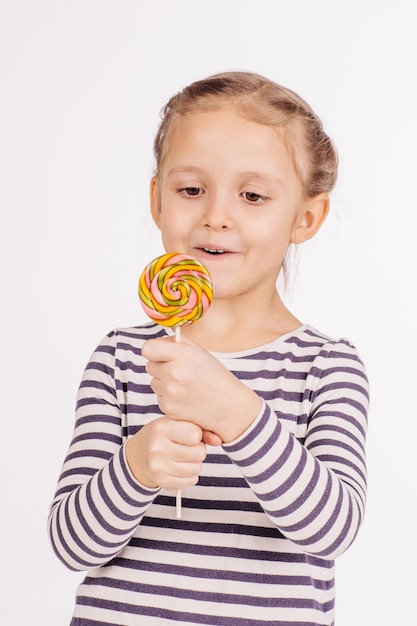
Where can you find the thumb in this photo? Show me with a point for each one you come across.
(211, 439)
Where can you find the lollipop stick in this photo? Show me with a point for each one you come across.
(161, 282)
(178, 500)
(178, 504)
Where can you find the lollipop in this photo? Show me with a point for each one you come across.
(175, 290)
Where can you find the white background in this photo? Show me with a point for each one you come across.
(82, 83)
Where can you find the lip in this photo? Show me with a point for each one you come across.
(212, 251)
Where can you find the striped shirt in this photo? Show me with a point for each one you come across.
(258, 535)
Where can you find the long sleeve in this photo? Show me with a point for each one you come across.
(313, 490)
(258, 533)
(98, 504)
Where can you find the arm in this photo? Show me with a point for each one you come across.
(98, 503)
(314, 491)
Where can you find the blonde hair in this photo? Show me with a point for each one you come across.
(260, 100)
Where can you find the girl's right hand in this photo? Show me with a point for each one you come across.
(167, 453)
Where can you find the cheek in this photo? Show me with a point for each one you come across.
(174, 230)
(276, 232)
(171, 222)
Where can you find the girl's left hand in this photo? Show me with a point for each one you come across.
(192, 385)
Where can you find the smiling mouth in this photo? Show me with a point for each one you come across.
(214, 251)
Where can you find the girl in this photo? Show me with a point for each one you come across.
(259, 418)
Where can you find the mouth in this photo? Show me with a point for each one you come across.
(206, 251)
(214, 251)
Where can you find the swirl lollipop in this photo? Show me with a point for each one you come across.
(175, 290)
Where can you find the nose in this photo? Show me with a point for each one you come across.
(218, 214)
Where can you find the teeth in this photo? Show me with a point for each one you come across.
(213, 251)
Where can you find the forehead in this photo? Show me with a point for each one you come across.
(223, 135)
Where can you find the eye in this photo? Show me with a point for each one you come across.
(250, 196)
(191, 191)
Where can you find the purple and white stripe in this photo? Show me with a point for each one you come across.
(258, 534)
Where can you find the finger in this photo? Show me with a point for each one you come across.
(211, 439)
(154, 369)
(190, 455)
(172, 483)
(184, 433)
(183, 468)
(158, 349)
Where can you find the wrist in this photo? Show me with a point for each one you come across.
(132, 459)
(242, 418)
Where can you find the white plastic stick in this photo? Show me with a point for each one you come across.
(178, 500)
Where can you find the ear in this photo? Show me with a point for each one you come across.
(155, 200)
(312, 215)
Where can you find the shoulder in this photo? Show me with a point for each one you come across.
(316, 341)
(327, 355)
(337, 362)
(127, 340)
(137, 335)
(309, 343)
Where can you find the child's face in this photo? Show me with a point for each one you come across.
(229, 196)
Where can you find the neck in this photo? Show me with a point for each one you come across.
(241, 325)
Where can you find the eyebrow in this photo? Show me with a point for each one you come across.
(254, 175)
(263, 177)
(180, 169)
